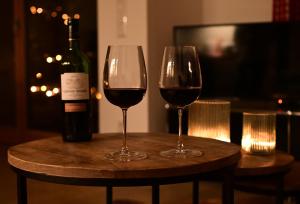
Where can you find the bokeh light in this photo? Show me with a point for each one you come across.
(93, 90)
(65, 16)
(77, 16)
(58, 8)
(33, 9)
(98, 95)
(49, 93)
(58, 57)
(53, 14)
(39, 10)
(44, 88)
(39, 75)
(55, 90)
(33, 89)
(49, 59)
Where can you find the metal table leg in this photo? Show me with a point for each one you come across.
(109, 195)
(21, 189)
(279, 190)
(228, 187)
(155, 194)
(195, 192)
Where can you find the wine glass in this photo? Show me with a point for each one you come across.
(124, 84)
(180, 84)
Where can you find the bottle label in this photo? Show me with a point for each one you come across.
(75, 107)
(74, 86)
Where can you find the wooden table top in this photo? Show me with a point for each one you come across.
(253, 165)
(53, 157)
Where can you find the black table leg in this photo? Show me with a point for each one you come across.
(109, 195)
(195, 192)
(297, 199)
(228, 188)
(155, 194)
(279, 189)
(21, 189)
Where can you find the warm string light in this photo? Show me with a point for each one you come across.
(53, 13)
(57, 58)
(49, 92)
(55, 90)
(39, 75)
(95, 93)
(34, 89)
(58, 8)
(49, 59)
(43, 88)
(33, 9)
(98, 95)
(46, 89)
(65, 16)
(93, 90)
(76, 16)
(39, 10)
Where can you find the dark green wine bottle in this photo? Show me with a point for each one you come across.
(75, 89)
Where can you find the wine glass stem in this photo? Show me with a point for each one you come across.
(180, 142)
(124, 150)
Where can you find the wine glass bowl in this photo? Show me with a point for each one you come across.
(124, 85)
(180, 84)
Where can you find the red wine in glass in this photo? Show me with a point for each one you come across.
(180, 97)
(124, 97)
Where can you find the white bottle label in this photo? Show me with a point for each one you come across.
(74, 86)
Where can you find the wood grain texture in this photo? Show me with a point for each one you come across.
(255, 165)
(54, 157)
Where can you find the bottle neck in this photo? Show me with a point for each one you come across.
(74, 44)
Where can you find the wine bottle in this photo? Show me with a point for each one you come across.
(75, 86)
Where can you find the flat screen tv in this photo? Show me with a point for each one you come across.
(248, 62)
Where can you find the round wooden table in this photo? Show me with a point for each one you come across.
(255, 171)
(83, 163)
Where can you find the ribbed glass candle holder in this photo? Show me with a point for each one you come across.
(210, 119)
(259, 133)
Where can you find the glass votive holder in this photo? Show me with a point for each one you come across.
(210, 119)
(259, 132)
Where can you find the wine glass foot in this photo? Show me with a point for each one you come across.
(130, 156)
(184, 153)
